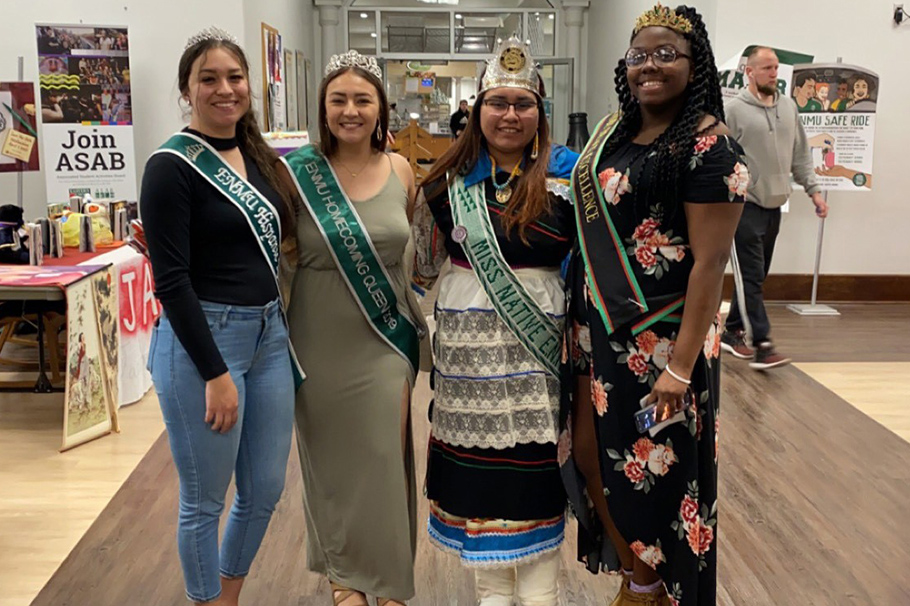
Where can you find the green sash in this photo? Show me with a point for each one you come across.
(353, 251)
(259, 213)
(513, 304)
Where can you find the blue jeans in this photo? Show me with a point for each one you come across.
(254, 344)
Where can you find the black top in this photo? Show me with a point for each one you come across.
(201, 248)
(653, 229)
(455, 122)
(549, 239)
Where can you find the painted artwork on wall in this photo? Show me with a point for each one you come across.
(290, 89)
(303, 99)
(18, 127)
(273, 80)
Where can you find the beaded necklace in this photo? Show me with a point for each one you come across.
(504, 191)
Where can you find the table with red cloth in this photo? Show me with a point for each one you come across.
(121, 311)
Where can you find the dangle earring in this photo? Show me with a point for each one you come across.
(379, 131)
(534, 150)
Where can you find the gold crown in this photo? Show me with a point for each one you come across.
(511, 66)
(663, 16)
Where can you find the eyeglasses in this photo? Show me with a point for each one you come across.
(498, 106)
(663, 56)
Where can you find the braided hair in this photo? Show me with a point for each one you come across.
(672, 151)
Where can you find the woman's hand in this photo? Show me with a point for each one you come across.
(221, 403)
(670, 396)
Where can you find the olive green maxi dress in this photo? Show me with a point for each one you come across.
(359, 488)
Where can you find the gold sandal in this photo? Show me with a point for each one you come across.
(657, 597)
(340, 595)
(388, 602)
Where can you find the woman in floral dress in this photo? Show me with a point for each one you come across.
(658, 193)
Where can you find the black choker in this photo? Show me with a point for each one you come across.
(217, 143)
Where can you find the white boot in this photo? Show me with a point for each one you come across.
(537, 581)
(494, 586)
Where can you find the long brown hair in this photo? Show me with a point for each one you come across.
(530, 201)
(328, 144)
(249, 136)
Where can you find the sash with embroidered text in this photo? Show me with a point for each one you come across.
(353, 251)
(539, 334)
(262, 217)
(611, 281)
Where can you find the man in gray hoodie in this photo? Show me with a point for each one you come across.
(767, 125)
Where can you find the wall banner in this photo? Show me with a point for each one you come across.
(86, 112)
(733, 76)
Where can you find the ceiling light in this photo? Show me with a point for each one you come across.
(458, 15)
(372, 34)
(363, 15)
(552, 16)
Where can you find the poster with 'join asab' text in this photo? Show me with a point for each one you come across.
(86, 111)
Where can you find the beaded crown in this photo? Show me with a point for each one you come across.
(511, 66)
(211, 33)
(663, 16)
(353, 59)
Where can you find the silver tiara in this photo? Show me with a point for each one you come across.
(211, 33)
(353, 59)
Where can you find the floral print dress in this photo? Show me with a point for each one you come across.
(661, 490)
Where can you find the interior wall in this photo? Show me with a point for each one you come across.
(158, 32)
(607, 30)
(293, 20)
(865, 233)
(157, 38)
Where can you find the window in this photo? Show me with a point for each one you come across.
(415, 32)
(478, 32)
(362, 31)
(541, 33)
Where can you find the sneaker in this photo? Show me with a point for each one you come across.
(766, 357)
(734, 343)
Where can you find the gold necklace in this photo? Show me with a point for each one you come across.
(504, 191)
(359, 170)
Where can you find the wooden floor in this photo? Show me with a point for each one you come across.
(814, 495)
(879, 389)
(48, 500)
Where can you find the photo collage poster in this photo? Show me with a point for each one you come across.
(86, 111)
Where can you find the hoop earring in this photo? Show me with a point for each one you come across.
(534, 150)
(379, 131)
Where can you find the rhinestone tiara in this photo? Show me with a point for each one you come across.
(353, 59)
(663, 16)
(511, 66)
(211, 33)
